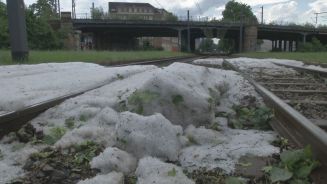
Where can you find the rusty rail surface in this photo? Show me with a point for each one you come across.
(304, 69)
(13, 121)
(293, 125)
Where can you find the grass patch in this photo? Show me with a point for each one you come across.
(140, 98)
(100, 57)
(307, 57)
(55, 134)
(177, 99)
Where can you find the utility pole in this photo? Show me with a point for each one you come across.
(261, 14)
(317, 14)
(73, 9)
(188, 32)
(59, 11)
(241, 34)
(17, 30)
(92, 11)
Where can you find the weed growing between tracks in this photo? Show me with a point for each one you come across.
(295, 167)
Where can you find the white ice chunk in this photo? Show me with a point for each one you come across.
(102, 135)
(152, 170)
(149, 136)
(111, 178)
(226, 155)
(114, 159)
(265, 66)
(209, 62)
(30, 84)
(202, 135)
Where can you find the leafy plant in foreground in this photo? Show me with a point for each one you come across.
(252, 117)
(55, 134)
(295, 167)
(85, 152)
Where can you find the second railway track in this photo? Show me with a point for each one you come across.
(299, 101)
(13, 121)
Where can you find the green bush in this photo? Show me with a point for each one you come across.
(314, 46)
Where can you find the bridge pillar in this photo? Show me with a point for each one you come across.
(184, 41)
(180, 40)
(250, 38)
(192, 44)
(280, 45)
(274, 45)
(290, 46)
(304, 38)
(285, 45)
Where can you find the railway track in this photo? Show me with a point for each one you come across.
(13, 121)
(287, 95)
(299, 102)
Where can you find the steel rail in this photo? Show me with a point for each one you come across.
(14, 120)
(292, 124)
(304, 69)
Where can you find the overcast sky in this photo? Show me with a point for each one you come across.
(299, 11)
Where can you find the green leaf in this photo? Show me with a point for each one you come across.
(278, 174)
(297, 181)
(49, 140)
(172, 172)
(267, 169)
(308, 152)
(234, 180)
(304, 171)
(289, 158)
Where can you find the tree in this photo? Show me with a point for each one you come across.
(4, 31)
(39, 33)
(171, 17)
(235, 12)
(226, 46)
(207, 45)
(44, 9)
(314, 46)
(97, 13)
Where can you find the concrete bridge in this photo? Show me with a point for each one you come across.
(109, 34)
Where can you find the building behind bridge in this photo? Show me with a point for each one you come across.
(136, 11)
(144, 11)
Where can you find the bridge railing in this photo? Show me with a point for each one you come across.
(199, 21)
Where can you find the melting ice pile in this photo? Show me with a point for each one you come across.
(160, 115)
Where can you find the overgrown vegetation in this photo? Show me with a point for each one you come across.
(177, 99)
(70, 123)
(252, 117)
(85, 152)
(41, 35)
(55, 134)
(172, 173)
(216, 176)
(55, 166)
(140, 98)
(295, 167)
(235, 12)
(314, 46)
